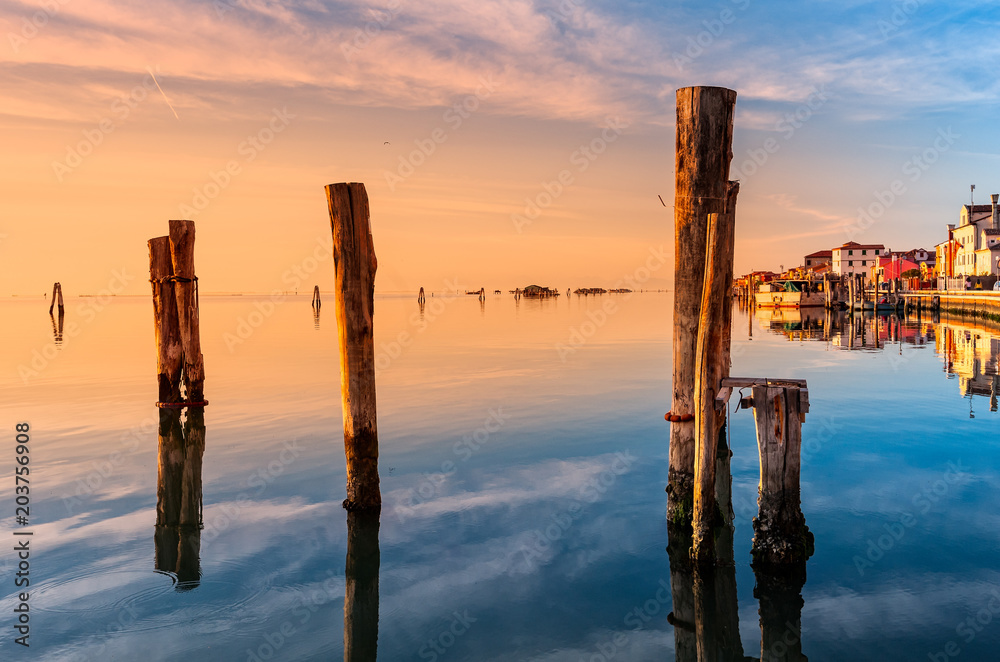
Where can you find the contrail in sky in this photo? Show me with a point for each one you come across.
(161, 91)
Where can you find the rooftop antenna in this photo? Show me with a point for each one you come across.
(972, 189)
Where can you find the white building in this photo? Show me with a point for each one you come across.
(978, 237)
(855, 258)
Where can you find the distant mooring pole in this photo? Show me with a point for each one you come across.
(56, 292)
(703, 153)
(420, 297)
(355, 264)
(316, 303)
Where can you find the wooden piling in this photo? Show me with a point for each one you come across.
(703, 153)
(420, 297)
(186, 292)
(711, 365)
(316, 303)
(57, 298)
(781, 536)
(355, 265)
(169, 354)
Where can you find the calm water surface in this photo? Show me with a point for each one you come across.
(523, 463)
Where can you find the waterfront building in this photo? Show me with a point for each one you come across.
(855, 258)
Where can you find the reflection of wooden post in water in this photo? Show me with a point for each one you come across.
(781, 603)
(186, 292)
(177, 534)
(355, 264)
(703, 152)
(705, 612)
(361, 590)
(316, 303)
(57, 326)
(168, 341)
(57, 294)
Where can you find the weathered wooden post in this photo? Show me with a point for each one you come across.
(186, 292)
(711, 365)
(703, 153)
(420, 297)
(355, 264)
(781, 536)
(361, 588)
(169, 354)
(316, 303)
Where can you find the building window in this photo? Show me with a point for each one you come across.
(850, 252)
(876, 251)
(864, 263)
(864, 252)
(850, 263)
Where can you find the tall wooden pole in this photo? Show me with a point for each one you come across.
(355, 264)
(186, 293)
(169, 361)
(703, 153)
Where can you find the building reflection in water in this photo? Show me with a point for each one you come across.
(177, 534)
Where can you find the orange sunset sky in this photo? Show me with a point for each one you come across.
(457, 116)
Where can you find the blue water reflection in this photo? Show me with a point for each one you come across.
(523, 463)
